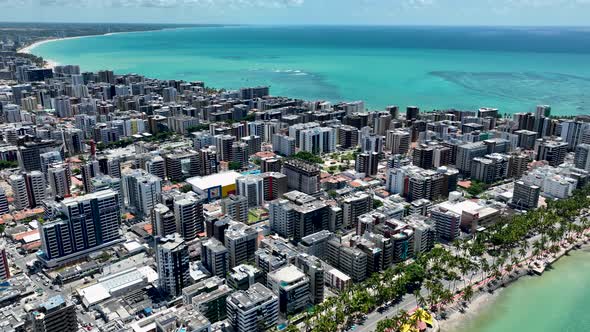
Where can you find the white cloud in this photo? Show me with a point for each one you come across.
(168, 3)
(14, 3)
(506, 3)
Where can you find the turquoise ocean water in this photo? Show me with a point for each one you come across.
(558, 301)
(513, 69)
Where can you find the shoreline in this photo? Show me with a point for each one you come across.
(50, 64)
(483, 299)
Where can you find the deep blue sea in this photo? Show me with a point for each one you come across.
(513, 69)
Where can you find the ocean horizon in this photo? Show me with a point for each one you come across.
(512, 68)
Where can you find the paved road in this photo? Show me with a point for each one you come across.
(408, 302)
(40, 281)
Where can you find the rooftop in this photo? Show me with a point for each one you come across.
(468, 206)
(287, 275)
(220, 179)
(254, 296)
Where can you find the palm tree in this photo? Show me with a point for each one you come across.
(291, 328)
(446, 297)
(420, 301)
(485, 268)
(402, 318)
(523, 250)
(468, 293)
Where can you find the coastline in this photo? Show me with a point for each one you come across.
(461, 87)
(50, 64)
(479, 304)
(483, 299)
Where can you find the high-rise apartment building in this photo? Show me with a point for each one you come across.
(252, 187)
(552, 151)
(141, 191)
(207, 161)
(490, 168)
(525, 196)
(397, 141)
(215, 257)
(371, 142)
(30, 154)
(4, 267)
(367, 163)
(284, 145)
(235, 207)
(241, 241)
(36, 188)
(292, 287)
(348, 137)
(318, 140)
(90, 223)
(254, 143)
(89, 170)
(302, 176)
(157, 166)
(447, 223)
(172, 258)
(110, 166)
(224, 143)
(105, 182)
(298, 215)
(243, 276)
(48, 158)
(239, 154)
(54, 315)
(181, 165)
(60, 180)
(163, 221)
(582, 157)
(355, 205)
(3, 203)
(188, 211)
(19, 191)
(274, 185)
(313, 269)
(466, 153)
(253, 310)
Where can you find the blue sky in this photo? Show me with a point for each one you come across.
(374, 12)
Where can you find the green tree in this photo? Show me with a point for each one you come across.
(8, 164)
(198, 127)
(104, 257)
(234, 165)
(186, 188)
(308, 156)
(468, 293)
(250, 117)
(476, 188)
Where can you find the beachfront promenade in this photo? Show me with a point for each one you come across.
(481, 287)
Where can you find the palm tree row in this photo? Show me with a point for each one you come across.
(441, 276)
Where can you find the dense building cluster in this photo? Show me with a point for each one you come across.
(137, 204)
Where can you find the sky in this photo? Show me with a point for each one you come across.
(346, 12)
